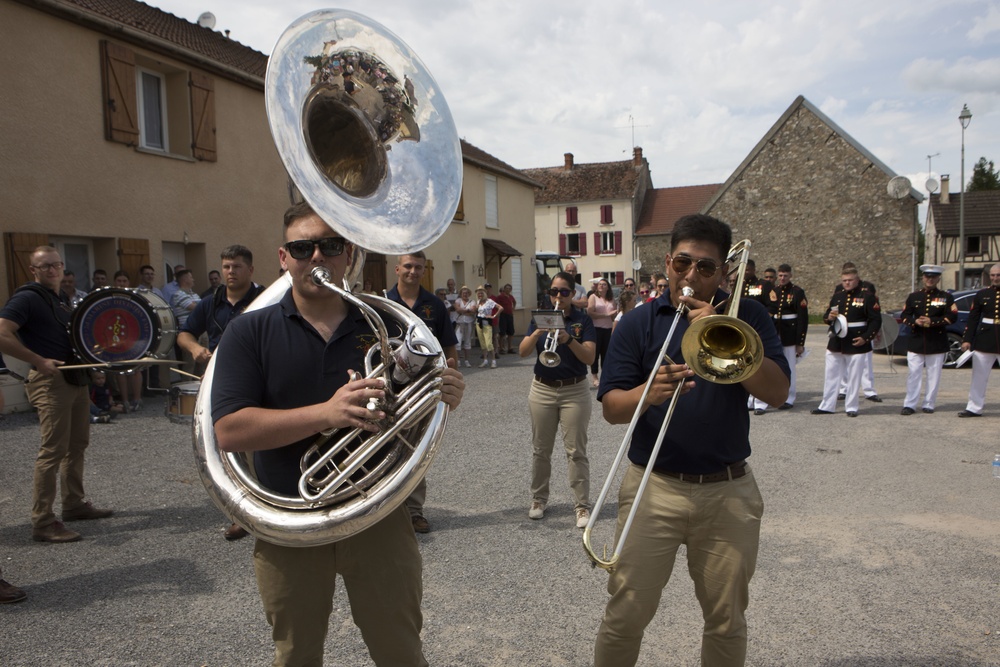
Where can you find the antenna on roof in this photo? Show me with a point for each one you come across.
(631, 123)
(207, 20)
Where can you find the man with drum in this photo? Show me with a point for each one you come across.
(282, 375)
(34, 329)
(927, 312)
(215, 312)
(409, 293)
(701, 491)
(982, 335)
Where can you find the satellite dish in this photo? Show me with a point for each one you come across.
(887, 335)
(207, 20)
(636, 265)
(932, 185)
(899, 187)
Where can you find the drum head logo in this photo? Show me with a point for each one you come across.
(115, 329)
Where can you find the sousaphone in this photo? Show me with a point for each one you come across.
(368, 141)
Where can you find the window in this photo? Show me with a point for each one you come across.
(606, 214)
(152, 111)
(614, 277)
(515, 279)
(973, 245)
(608, 243)
(492, 207)
(574, 245)
(571, 216)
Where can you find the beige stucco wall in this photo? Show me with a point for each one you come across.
(550, 222)
(61, 177)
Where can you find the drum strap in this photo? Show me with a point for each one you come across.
(61, 311)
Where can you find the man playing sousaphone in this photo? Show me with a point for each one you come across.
(283, 374)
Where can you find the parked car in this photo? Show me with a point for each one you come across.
(963, 299)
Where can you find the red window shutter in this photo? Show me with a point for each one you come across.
(597, 274)
(571, 217)
(606, 218)
(618, 243)
(121, 119)
(562, 244)
(583, 244)
(598, 250)
(619, 277)
(203, 116)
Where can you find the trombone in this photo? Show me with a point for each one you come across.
(719, 348)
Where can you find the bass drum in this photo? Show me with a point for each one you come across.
(117, 326)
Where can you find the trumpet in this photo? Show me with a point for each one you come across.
(718, 348)
(549, 357)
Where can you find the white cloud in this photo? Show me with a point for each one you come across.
(985, 25)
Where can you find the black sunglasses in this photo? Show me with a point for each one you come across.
(706, 267)
(330, 247)
(560, 291)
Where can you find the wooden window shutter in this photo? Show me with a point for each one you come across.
(562, 244)
(121, 119)
(606, 214)
(460, 213)
(597, 274)
(598, 250)
(618, 243)
(203, 117)
(571, 219)
(132, 253)
(583, 244)
(18, 247)
(619, 277)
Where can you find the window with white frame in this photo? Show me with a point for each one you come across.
(607, 243)
(152, 110)
(492, 205)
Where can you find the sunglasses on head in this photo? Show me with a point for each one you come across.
(330, 247)
(560, 291)
(706, 267)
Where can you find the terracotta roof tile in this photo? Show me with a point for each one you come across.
(597, 181)
(664, 206)
(982, 213)
(163, 25)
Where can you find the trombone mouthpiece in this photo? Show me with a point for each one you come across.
(685, 291)
(320, 275)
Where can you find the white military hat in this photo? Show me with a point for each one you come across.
(932, 269)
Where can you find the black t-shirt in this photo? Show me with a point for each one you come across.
(43, 320)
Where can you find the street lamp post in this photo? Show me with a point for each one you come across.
(964, 119)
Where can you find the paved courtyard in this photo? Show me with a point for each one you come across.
(880, 544)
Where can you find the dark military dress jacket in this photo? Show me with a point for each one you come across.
(761, 291)
(940, 307)
(792, 314)
(861, 309)
(983, 328)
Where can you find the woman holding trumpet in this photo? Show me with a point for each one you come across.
(560, 396)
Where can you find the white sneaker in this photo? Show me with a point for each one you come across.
(493, 364)
(537, 510)
(484, 364)
(467, 364)
(582, 517)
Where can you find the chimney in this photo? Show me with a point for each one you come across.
(944, 189)
(568, 161)
(637, 156)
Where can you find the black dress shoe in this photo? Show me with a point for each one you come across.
(841, 397)
(874, 398)
(235, 532)
(906, 412)
(969, 413)
(928, 411)
(817, 411)
(758, 412)
(785, 406)
(852, 414)
(9, 593)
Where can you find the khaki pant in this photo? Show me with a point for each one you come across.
(381, 568)
(552, 407)
(720, 525)
(64, 419)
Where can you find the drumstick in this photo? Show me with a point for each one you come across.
(190, 375)
(119, 363)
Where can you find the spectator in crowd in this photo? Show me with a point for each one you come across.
(172, 286)
(602, 309)
(626, 302)
(99, 279)
(214, 280)
(466, 309)
(630, 285)
(68, 287)
(580, 298)
(644, 291)
(102, 403)
(184, 300)
(147, 274)
(486, 310)
(121, 280)
(506, 320)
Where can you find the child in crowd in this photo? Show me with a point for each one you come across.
(102, 405)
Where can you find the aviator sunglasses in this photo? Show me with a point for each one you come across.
(330, 247)
(560, 291)
(706, 267)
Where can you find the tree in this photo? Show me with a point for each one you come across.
(984, 177)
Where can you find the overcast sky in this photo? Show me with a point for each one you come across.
(530, 80)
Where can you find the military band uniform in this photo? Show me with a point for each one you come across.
(792, 321)
(702, 493)
(763, 292)
(843, 358)
(273, 358)
(927, 345)
(982, 332)
(868, 369)
(559, 397)
(435, 315)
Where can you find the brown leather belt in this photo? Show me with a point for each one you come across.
(560, 383)
(732, 471)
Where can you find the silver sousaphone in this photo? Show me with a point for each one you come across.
(367, 139)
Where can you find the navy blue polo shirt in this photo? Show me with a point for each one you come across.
(432, 311)
(42, 328)
(212, 314)
(273, 358)
(710, 427)
(581, 328)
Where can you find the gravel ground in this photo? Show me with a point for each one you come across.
(879, 544)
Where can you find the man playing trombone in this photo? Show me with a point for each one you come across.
(701, 491)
